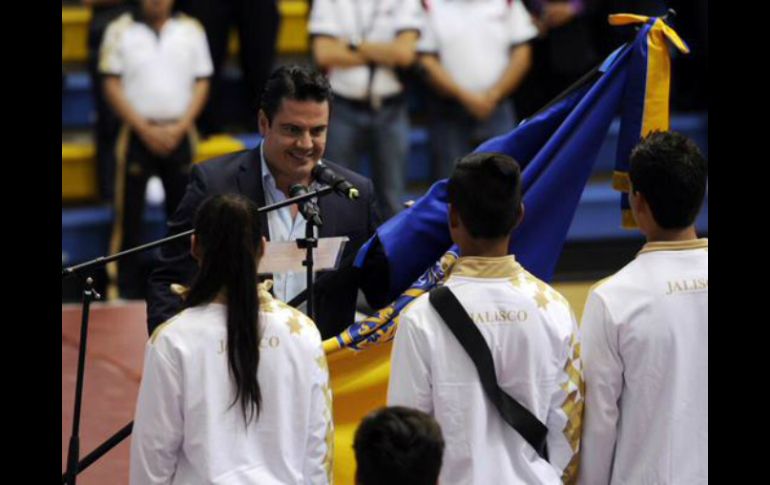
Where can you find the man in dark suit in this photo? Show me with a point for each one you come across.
(293, 120)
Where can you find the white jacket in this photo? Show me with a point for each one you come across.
(187, 432)
(645, 342)
(533, 336)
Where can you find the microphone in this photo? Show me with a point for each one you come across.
(310, 211)
(322, 173)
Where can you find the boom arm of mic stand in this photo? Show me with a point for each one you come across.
(102, 260)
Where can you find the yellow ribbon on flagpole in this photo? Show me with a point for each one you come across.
(656, 111)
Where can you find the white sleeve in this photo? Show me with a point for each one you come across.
(110, 53)
(409, 15)
(409, 384)
(325, 19)
(204, 67)
(604, 383)
(521, 26)
(428, 43)
(158, 423)
(320, 446)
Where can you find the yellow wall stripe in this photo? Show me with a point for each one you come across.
(121, 152)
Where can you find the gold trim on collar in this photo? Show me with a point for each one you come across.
(263, 290)
(701, 243)
(162, 326)
(485, 267)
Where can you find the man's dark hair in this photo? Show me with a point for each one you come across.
(668, 168)
(297, 82)
(485, 188)
(398, 445)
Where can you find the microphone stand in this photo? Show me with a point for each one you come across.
(309, 243)
(74, 447)
(73, 466)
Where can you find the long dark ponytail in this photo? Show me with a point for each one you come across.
(229, 236)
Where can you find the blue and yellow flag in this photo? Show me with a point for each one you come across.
(556, 150)
(645, 102)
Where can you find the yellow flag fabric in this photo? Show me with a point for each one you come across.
(359, 382)
(655, 116)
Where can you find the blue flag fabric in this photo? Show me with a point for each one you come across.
(556, 149)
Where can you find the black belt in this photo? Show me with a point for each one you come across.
(372, 105)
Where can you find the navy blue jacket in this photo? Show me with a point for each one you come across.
(240, 172)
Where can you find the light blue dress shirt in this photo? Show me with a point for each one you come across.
(283, 228)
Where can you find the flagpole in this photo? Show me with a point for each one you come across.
(585, 79)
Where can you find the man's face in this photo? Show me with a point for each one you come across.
(295, 140)
(157, 9)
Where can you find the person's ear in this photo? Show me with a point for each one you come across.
(454, 217)
(637, 201)
(263, 122)
(521, 215)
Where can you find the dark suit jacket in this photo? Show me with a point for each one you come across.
(240, 172)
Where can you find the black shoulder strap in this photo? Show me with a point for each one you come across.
(463, 328)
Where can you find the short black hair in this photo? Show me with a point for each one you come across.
(294, 81)
(671, 173)
(398, 445)
(485, 188)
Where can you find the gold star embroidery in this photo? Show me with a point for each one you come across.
(517, 282)
(294, 325)
(541, 299)
(321, 361)
(267, 305)
(329, 451)
(328, 397)
(570, 472)
(556, 296)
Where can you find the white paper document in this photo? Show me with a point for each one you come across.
(281, 257)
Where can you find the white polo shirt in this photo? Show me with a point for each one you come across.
(158, 70)
(366, 20)
(645, 342)
(472, 38)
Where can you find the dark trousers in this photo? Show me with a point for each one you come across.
(107, 124)
(257, 23)
(136, 164)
